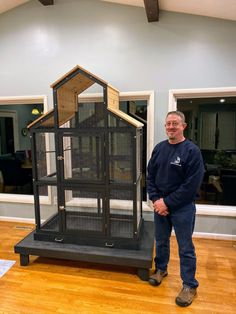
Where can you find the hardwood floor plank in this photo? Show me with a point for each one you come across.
(59, 286)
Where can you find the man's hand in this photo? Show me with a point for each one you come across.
(160, 207)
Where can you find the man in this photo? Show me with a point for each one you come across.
(175, 172)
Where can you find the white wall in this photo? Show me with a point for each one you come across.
(40, 43)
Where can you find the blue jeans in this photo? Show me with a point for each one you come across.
(183, 221)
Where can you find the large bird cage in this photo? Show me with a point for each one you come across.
(87, 158)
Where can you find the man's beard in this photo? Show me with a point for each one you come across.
(171, 136)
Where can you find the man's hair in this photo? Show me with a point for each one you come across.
(177, 113)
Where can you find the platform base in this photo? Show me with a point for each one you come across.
(140, 259)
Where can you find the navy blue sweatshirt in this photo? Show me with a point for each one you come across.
(175, 172)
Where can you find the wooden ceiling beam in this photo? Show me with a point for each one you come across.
(47, 2)
(152, 10)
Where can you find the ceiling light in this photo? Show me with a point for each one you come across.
(222, 100)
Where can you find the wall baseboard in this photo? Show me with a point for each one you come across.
(202, 235)
(214, 236)
(17, 219)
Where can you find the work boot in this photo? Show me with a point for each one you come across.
(156, 278)
(186, 296)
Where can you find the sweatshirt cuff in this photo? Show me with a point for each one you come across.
(165, 200)
(154, 199)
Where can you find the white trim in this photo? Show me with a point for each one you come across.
(205, 210)
(17, 219)
(24, 100)
(209, 235)
(216, 210)
(214, 236)
(25, 199)
(200, 235)
(174, 94)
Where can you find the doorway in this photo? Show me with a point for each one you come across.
(9, 140)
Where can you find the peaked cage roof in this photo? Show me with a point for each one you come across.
(66, 90)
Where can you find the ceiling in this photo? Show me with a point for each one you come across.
(224, 9)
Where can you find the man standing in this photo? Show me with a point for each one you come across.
(175, 172)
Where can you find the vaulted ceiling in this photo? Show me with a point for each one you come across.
(224, 9)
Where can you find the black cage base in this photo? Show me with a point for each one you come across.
(85, 229)
(140, 259)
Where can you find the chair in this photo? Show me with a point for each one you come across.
(229, 189)
(211, 189)
(14, 176)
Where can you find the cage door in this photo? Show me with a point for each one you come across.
(84, 210)
(83, 155)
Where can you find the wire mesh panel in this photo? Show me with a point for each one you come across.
(121, 213)
(89, 115)
(49, 220)
(84, 210)
(120, 156)
(114, 122)
(83, 155)
(45, 156)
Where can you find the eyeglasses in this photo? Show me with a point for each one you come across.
(172, 123)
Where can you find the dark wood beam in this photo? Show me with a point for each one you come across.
(152, 10)
(47, 2)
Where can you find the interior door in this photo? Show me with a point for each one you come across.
(208, 130)
(227, 130)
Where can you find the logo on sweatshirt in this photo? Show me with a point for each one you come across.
(176, 162)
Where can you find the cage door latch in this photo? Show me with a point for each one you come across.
(109, 244)
(60, 240)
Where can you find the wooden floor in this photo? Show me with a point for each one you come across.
(59, 286)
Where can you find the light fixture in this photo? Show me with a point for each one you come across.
(222, 100)
(35, 111)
